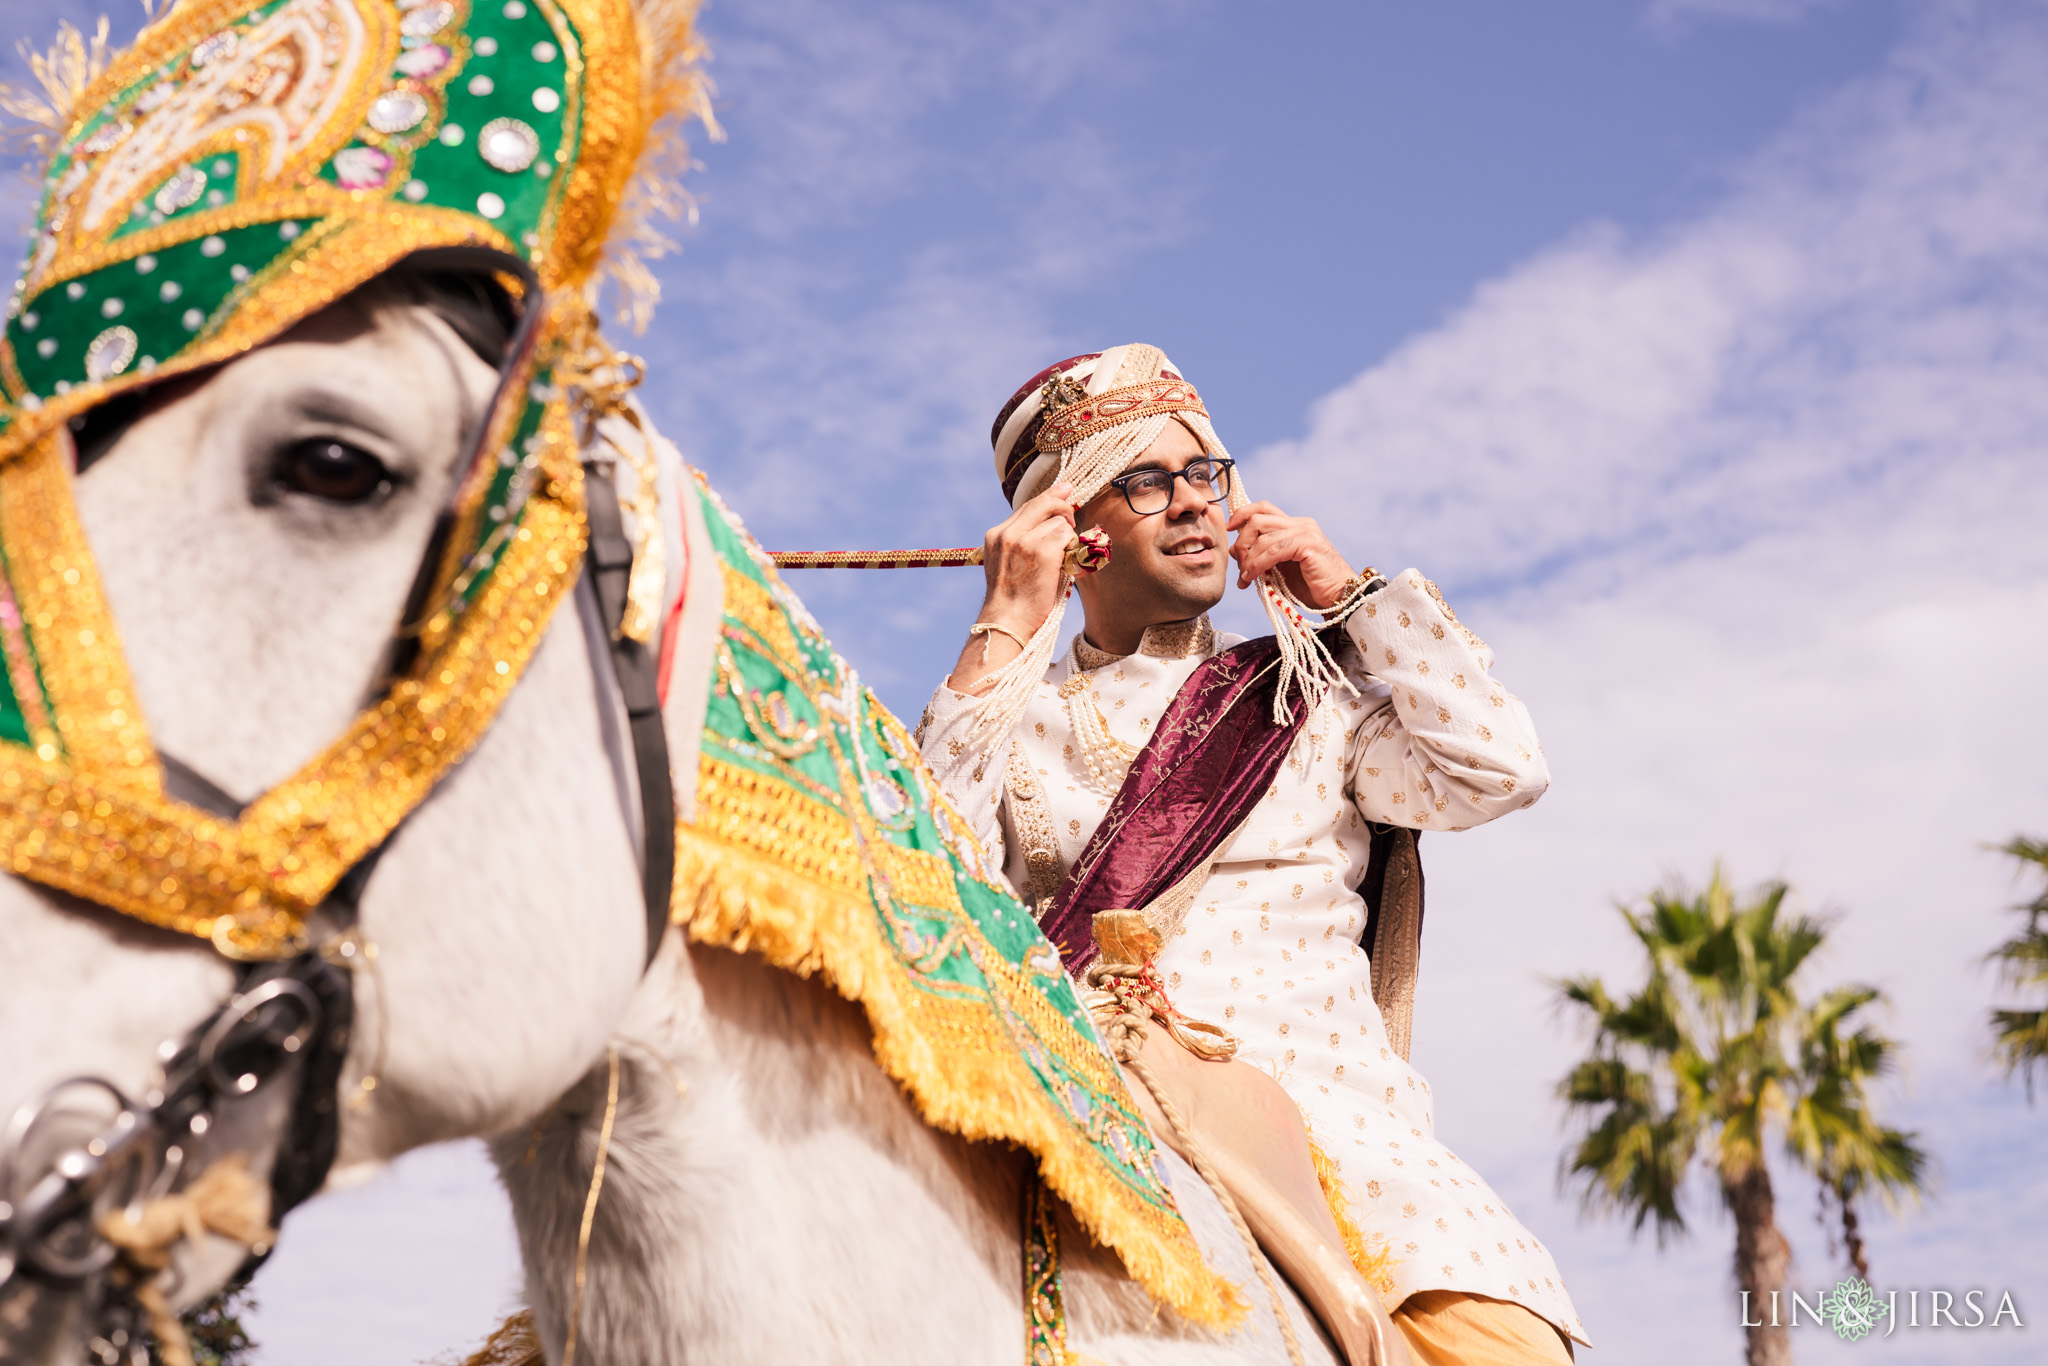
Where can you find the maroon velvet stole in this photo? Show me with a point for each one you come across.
(1211, 758)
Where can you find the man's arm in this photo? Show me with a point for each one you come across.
(1021, 562)
(1438, 744)
(1435, 743)
(969, 772)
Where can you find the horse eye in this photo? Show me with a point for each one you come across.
(332, 471)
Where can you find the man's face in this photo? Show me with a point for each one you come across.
(1164, 566)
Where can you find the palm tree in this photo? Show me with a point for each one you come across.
(1710, 1057)
(1831, 1129)
(2020, 1037)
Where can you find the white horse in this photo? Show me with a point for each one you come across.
(771, 1194)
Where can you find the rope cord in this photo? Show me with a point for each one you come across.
(877, 559)
(1126, 1030)
(604, 1143)
(225, 1200)
(1086, 552)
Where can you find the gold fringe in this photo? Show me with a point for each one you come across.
(1376, 1264)
(674, 91)
(514, 1344)
(72, 64)
(979, 1088)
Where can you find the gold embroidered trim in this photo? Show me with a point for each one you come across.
(1044, 869)
(1194, 639)
(98, 718)
(916, 876)
(356, 234)
(775, 820)
(1088, 657)
(755, 608)
(1114, 407)
(94, 821)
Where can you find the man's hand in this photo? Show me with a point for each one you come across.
(1021, 560)
(1268, 538)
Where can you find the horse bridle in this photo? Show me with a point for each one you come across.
(290, 1021)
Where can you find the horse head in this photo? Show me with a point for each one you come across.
(258, 530)
(321, 816)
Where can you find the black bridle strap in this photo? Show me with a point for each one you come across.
(304, 1159)
(313, 1128)
(635, 669)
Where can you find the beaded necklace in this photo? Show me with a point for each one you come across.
(1106, 758)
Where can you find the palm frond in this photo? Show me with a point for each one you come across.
(1718, 1051)
(2019, 1042)
(2019, 1035)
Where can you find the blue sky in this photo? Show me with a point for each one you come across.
(921, 205)
(1694, 346)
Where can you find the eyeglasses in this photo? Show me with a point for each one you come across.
(1150, 491)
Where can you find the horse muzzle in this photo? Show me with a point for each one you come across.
(117, 1212)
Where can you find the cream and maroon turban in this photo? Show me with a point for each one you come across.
(1087, 419)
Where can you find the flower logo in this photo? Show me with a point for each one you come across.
(1851, 1309)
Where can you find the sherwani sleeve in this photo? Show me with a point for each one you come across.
(968, 770)
(1435, 742)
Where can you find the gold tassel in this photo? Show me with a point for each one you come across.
(514, 1344)
(677, 92)
(71, 65)
(1375, 1264)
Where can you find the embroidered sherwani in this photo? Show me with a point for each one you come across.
(1268, 947)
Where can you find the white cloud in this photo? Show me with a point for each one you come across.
(1868, 307)
(1751, 509)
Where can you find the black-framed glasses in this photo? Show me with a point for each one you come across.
(1150, 491)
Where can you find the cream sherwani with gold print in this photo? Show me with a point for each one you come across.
(1269, 946)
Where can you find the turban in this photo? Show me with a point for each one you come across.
(1087, 419)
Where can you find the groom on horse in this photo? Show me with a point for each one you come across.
(1241, 794)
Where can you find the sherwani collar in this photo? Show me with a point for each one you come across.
(1193, 639)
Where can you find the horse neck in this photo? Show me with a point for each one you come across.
(767, 1189)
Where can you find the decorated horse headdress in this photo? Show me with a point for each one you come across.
(245, 164)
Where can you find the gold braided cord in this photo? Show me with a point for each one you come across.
(604, 1147)
(1086, 552)
(955, 558)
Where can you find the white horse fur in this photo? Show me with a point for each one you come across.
(771, 1194)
